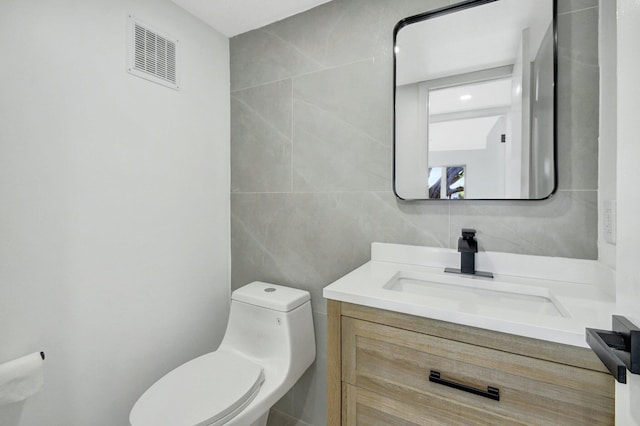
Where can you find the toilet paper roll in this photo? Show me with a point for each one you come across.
(20, 378)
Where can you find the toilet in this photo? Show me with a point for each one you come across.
(268, 345)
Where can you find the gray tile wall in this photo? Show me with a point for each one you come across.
(311, 138)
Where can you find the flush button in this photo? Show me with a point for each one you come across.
(269, 290)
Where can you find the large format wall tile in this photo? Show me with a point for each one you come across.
(302, 240)
(271, 102)
(330, 154)
(258, 57)
(261, 138)
(578, 126)
(565, 6)
(564, 225)
(360, 94)
(310, 240)
(345, 31)
(577, 40)
(312, 159)
(342, 128)
(335, 33)
(427, 219)
(578, 100)
(310, 393)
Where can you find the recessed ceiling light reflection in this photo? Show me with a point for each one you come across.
(396, 49)
(465, 97)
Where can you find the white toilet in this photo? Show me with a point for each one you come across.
(268, 344)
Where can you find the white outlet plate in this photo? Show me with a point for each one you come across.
(610, 221)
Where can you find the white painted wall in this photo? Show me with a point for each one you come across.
(485, 168)
(518, 130)
(411, 157)
(114, 205)
(628, 198)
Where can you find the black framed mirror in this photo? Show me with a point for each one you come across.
(475, 102)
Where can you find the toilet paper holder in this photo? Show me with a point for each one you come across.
(618, 349)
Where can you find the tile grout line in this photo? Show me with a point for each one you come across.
(355, 191)
(568, 12)
(304, 74)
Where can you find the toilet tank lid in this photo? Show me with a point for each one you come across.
(271, 296)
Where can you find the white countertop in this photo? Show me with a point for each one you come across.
(581, 289)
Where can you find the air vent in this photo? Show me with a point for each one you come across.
(152, 55)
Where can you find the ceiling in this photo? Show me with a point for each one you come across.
(233, 17)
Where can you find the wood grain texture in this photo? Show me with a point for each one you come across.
(533, 348)
(460, 353)
(334, 363)
(396, 363)
(384, 371)
(368, 408)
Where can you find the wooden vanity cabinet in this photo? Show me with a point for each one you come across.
(380, 363)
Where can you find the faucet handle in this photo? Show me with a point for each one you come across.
(468, 233)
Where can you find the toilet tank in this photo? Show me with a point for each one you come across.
(272, 324)
(271, 296)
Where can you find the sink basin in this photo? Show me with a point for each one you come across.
(475, 294)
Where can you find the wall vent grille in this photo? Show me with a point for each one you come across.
(152, 55)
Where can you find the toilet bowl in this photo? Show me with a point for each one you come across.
(268, 345)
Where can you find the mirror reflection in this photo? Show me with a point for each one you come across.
(474, 102)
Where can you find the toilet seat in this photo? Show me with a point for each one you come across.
(213, 387)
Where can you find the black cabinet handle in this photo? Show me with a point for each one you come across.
(491, 392)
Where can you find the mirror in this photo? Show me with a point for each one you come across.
(475, 102)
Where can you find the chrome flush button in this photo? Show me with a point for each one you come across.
(269, 290)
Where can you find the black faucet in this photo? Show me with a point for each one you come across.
(468, 247)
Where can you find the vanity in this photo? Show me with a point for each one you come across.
(409, 344)
(497, 338)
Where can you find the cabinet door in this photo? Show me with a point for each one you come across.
(397, 363)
